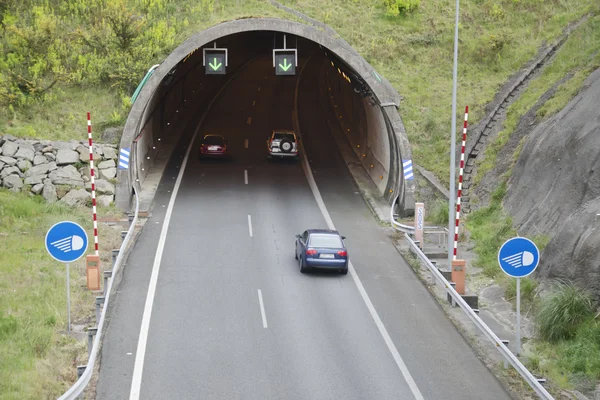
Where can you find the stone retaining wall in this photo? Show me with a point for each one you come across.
(58, 171)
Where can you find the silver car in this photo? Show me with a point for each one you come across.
(283, 143)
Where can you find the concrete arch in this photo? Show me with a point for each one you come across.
(383, 94)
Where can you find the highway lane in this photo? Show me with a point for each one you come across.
(442, 363)
(207, 336)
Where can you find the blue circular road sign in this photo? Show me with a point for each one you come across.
(66, 241)
(518, 257)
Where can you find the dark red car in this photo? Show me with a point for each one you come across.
(213, 146)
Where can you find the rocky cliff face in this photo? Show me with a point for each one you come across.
(555, 189)
(58, 171)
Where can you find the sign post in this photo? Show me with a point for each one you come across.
(285, 60)
(518, 257)
(66, 242)
(419, 223)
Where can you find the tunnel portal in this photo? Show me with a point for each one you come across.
(184, 85)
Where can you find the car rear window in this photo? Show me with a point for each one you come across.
(325, 240)
(281, 135)
(213, 140)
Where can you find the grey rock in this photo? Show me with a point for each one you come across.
(107, 164)
(0, 149)
(41, 169)
(105, 187)
(66, 176)
(99, 150)
(105, 200)
(109, 153)
(8, 160)
(52, 166)
(2, 165)
(37, 160)
(111, 135)
(50, 156)
(75, 197)
(35, 180)
(39, 146)
(24, 165)
(36, 189)
(2, 140)
(9, 148)
(108, 173)
(48, 149)
(64, 156)
(81, 149)
(13, 182)
(10, 137)
(11, 171)
(25, 151)
(49, 191)
(62, 146)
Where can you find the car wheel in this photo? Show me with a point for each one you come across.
(345, 271)
(296, 253)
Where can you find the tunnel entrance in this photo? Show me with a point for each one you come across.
(181, 91)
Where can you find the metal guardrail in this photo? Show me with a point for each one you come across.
(457, 298)
(78, 388)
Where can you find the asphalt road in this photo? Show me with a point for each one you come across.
(230, 248)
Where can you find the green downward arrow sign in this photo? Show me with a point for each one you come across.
(214, 64)
(285, 65)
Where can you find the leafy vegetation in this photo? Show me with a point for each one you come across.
(570, 354)
(36, 357)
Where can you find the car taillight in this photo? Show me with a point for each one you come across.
(224, 148)
(342, 253)
(311, 252)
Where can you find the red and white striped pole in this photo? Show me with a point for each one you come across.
(460, 180)
(93, 182)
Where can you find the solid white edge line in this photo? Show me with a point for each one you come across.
(246, 176)
(136, 381)
(250, 225)
(262, 309)
(363, 293)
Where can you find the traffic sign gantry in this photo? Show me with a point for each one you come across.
(215, 61)
(66, 241)
(518, 257)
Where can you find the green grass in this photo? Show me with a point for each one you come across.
(490, 227)
(570, 353)
(579, 56)
(36, 358)
(64, 116)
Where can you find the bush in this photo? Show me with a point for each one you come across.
(563, 312)
(397, 7)
(8, 325)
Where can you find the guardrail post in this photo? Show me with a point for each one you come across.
(80, 371)
(99, 303)
(115, 254)
(450, 297)
(505, 342)
(107, 274)
(131, 216)
(91, 334)
(123, 234)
